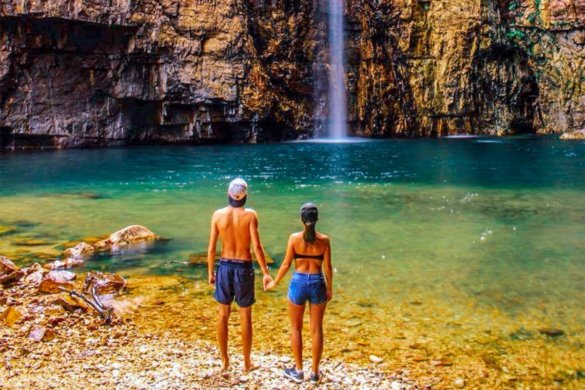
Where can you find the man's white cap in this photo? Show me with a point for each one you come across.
(238, 189)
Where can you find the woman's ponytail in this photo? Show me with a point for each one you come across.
(309, 216)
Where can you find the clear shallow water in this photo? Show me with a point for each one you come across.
(464, 227)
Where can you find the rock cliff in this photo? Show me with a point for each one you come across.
(107, 72)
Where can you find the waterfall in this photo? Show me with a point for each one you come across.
(336, 94)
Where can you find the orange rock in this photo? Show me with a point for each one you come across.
(11, 316)
(55, 279)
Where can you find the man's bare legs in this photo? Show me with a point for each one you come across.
(222, 333)
(317, 313)
(296, 336)
(246, 319)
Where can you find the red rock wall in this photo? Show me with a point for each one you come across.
(103, 72)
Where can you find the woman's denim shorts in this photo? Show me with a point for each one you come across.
(307, 287)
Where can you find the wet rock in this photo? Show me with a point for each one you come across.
(7, 230)
(552, 332)
(129, 235)
(64, 264)
(30, 242)
(104, 283)
(80, 251)
(521, 334)
(54, 279)
(573, 135)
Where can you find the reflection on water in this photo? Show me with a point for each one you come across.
(456, 246)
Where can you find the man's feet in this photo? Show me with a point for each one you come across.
(252, 367)
(315, 377)
(292, 373)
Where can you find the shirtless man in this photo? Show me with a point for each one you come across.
(236, 227)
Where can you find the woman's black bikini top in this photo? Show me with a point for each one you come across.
(316, 257)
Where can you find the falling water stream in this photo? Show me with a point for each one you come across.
(337, 117)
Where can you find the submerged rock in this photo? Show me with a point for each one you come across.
(81, 251)
(23, 241)
(6, 230)
(129, 235)
(54, 279)
(64, 264)
(551, 332)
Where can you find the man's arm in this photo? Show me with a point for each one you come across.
(258, 249)
(214, 233)
(328, 271)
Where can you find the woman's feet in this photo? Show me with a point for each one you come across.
(315, 377)
(293, 374)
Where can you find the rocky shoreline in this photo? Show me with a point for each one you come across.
(95, 335)
(141, 330)
(48, 332)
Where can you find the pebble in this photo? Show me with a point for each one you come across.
(396, 385)
(376, 359)
(285, 359)
(459, 383)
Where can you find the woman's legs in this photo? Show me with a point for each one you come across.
(296, 336)
(317, 313)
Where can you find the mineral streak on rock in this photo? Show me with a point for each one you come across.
(107, 73)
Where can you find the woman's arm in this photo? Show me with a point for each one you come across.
(286, 263)
(327, 270)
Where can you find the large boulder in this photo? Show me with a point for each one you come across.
(54, 279)
(129, 235)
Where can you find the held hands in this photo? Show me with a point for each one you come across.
(268, 282)
(211, 279)
(270, 286)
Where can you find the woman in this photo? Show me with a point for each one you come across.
(312, 254)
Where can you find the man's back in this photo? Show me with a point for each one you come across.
(233, 225)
